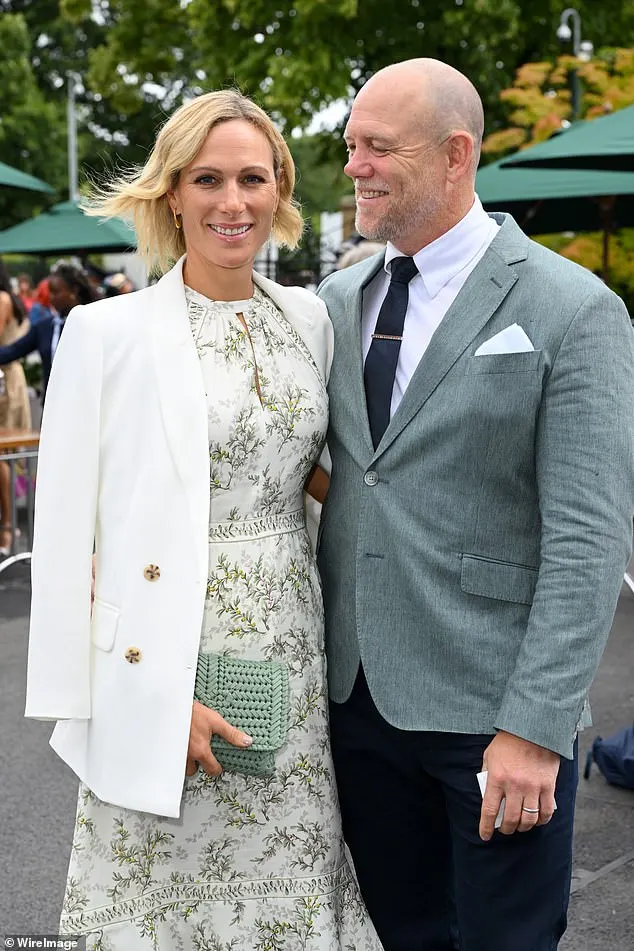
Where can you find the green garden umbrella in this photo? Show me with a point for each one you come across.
(65, 229)
(13, 178)
(547, 201)
(606, 143)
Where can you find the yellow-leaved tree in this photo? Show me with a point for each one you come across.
(539, 102)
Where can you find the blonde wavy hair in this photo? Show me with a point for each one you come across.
(140, 195)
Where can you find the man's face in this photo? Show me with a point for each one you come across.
(397, 164)
(63, 297)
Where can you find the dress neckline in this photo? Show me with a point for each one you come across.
(231, 305)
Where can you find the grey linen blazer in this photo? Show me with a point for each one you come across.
(474, 560)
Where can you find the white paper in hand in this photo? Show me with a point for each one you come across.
(482, 783)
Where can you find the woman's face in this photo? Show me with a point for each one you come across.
(227, 197)
(63, 297)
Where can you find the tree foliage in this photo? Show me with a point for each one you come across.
(31, 127)
(297, 56)
(137, 60)
(320, 182)
(39, 49)
(538, 102)
(540, 99)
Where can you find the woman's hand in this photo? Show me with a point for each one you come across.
(205, 724)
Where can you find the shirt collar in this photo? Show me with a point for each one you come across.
(445, 257)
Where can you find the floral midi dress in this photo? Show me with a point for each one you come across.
(252, 864)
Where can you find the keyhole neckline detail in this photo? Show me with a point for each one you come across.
(233, 306)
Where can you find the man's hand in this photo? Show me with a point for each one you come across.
(522, 773)
(205, 724)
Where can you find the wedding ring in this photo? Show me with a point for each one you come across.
(533, 812)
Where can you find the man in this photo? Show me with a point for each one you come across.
(67, 287)
(118, 283)
(475, 533)
(39, 337)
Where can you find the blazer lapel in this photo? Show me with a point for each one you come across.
(349, 340)
(182, 398)
(483, 292)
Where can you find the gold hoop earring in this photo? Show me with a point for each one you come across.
(178, 225)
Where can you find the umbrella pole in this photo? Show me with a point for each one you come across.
(607, 207)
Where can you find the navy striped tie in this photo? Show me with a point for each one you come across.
(382, 358)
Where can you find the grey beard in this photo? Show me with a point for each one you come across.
(404, 217)
(382, 231)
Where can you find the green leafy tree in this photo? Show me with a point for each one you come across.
(320, 181)
(32, 135)
(297, 56)
(138, 59)
(111, 131)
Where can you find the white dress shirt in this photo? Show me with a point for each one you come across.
(58, 326)
(443, 266)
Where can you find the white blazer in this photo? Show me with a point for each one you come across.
(124, 463)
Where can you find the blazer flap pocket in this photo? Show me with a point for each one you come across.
(103, 626)
(521, 362)
(501, 580)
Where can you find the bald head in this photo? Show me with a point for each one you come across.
(413, 139)
(434, 94)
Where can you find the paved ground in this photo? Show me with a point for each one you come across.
(37, 799)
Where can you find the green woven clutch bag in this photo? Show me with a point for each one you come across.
(252, 695)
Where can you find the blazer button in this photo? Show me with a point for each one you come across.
(133, 655)
(151, 572)
(371, 477)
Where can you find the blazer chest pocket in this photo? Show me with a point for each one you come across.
(523, 362)
(501, 580)
(103, 625)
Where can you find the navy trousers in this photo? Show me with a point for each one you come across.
(411, 804)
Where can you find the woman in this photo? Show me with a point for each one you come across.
(41, 308)
(67, 287)
(15, 411)
(192, 413)
(25, 291)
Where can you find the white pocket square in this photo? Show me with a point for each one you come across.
(510, 340)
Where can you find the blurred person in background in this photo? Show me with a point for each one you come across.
(67, 286)
(118, 283)
(41, 304)
(96, 277)
(25, 291)
(15, 412)
(359, 252)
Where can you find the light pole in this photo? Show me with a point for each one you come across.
(582, 49)
(71, 124)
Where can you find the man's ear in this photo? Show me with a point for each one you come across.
(460, 148)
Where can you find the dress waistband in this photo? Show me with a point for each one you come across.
(278, 524)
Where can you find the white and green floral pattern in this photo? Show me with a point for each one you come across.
(253, 864)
